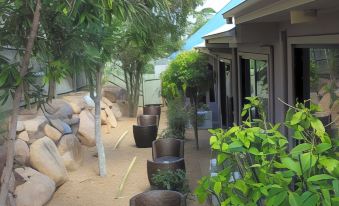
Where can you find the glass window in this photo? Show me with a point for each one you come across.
(324, 80)
(259, 81)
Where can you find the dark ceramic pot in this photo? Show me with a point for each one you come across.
(144, 135)
(166, 163)
(158, 198)
(147, 120)
(169, 147)
(152, 110)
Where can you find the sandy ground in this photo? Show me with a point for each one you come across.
(86, 188)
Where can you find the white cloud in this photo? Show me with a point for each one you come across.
(215, 4)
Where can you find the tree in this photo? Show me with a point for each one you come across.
(200, 19)
(188, 74)
(158, 37)
(17, 97)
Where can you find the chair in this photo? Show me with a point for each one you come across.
(147, 120)
(158, 198)
(154, 166)
(167, 149)
(144, 135)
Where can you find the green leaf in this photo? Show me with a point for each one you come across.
(294, 199)
(292, 165)
(241, 185)
(213, 139)
(276, 200)
(253, 151)
(217, 188)
(335, 184)
(323, 147)
(296, 118)
(312, 200)
(326, 197)
(317, 125)
(320, 177)
(282, 142)
(301, 148)
(221, 158)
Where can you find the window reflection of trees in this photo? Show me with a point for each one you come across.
(324, 80)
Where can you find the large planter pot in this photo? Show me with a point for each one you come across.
(158, 198)
(169, 148)
(144, 135)
(164, 164)
(152, 110)
(147, 120)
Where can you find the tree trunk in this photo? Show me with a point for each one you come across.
(99, 144)
(16, 103)
(195, 122)
(51, 89)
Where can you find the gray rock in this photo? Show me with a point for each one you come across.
(52, 133)
(61, 126)
(87, 128)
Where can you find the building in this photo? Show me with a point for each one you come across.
(275, 49)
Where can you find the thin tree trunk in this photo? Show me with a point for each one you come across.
(16, 103)
(51, 89)
(195, 124)
(99, 144)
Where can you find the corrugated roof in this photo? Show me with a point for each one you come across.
(214, 23)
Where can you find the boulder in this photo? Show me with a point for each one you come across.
(61, 126)
(123, 106)
(107, 102)
(77, 102)
(45, 158)
(23, 136)
(20, 126)
(103, 116)
(114, 93)
(111, 118)
(116, 110)
(21, 152)
(89, 101)
(335, 112)
(52, 133)
(32, 125)
(325, 102)
(37, 189)
(87, 128)
(59, 109)
(106, 129)
(74, 123)
(70, 150)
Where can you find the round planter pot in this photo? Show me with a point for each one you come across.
(158, 198)
(154, 166)
(147, 120)
(144, 135)
(152, 110)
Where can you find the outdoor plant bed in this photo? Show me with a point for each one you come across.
(167, 149)
(144, 135)
(147, 120)
(152, 110)
(157, 198)
(153, 167)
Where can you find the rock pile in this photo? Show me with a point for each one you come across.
(50, 144)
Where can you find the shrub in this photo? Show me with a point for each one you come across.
(171, 180)
(307, 175)
(177, 117)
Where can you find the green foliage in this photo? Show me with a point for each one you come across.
(177, 117)
(171, 180)
(307, 175)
